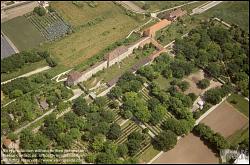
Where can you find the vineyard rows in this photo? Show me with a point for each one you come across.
(50, 25)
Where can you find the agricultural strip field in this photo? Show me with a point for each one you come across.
(95, 29)
(241, 104)
(189, 149)
(231, 12)
(22, 33)
(225, 119)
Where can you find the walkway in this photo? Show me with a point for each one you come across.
(203, 8)
(29, 74)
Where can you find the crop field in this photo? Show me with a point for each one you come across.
(50, 25)
(239, 103)
(189, 149)
(22, 33)
(95, 29)
(231, 12)
(225, 119)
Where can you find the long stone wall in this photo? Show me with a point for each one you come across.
(104, 64)
(93, 70)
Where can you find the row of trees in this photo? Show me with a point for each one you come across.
(222, 52)
(215, 95)
(18, 60)
(215, 139)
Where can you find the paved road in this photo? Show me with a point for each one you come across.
(204, 8)
(29, 74)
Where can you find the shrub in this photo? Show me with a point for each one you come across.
(203, 84)
(40, 11)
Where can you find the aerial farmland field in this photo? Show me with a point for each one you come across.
(95, 29)
(22, 33)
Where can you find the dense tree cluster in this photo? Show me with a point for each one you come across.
(18, 60)
(136, 105)
(179, 127)
(215, 95)
(222, 52)
(165, 141)
(215, 139)
(203, 84)
(129, 82)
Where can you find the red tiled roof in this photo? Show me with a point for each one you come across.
(7, 142)
(74, 75)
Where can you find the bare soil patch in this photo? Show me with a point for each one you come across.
(194, 78)
(189, 149)
(225, 119)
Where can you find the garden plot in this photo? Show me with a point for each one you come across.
(225, 119)
(50, 25)
(194, 78)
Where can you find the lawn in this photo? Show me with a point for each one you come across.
(149, 154)
(163, 82)
(241, 104)
(236, 12)
(239, 136)
(22, 33)
(95, 29)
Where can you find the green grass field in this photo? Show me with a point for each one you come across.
(87, 40)
(159, 5)
(22, 33)
(163, 82)
(236, 12)
(241, 104)
(239, 136)
(149, 154)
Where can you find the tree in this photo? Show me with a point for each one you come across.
(16, 93)
(100, 101)
(114, 131)
(192, 96)
(108, 116)
(115, 92)
(80, 106)
(152, 103)
(98, 143)
(203, 84)
(40, 11)
(179, 127)
(102, 127)
(122, 150)
(183, 85)
(165, 141)
(75, 133)
(157, 114)
(126, 114)
(105, 158)
(212, 96)
(90, 158)
(65, 140)
(12, 136)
